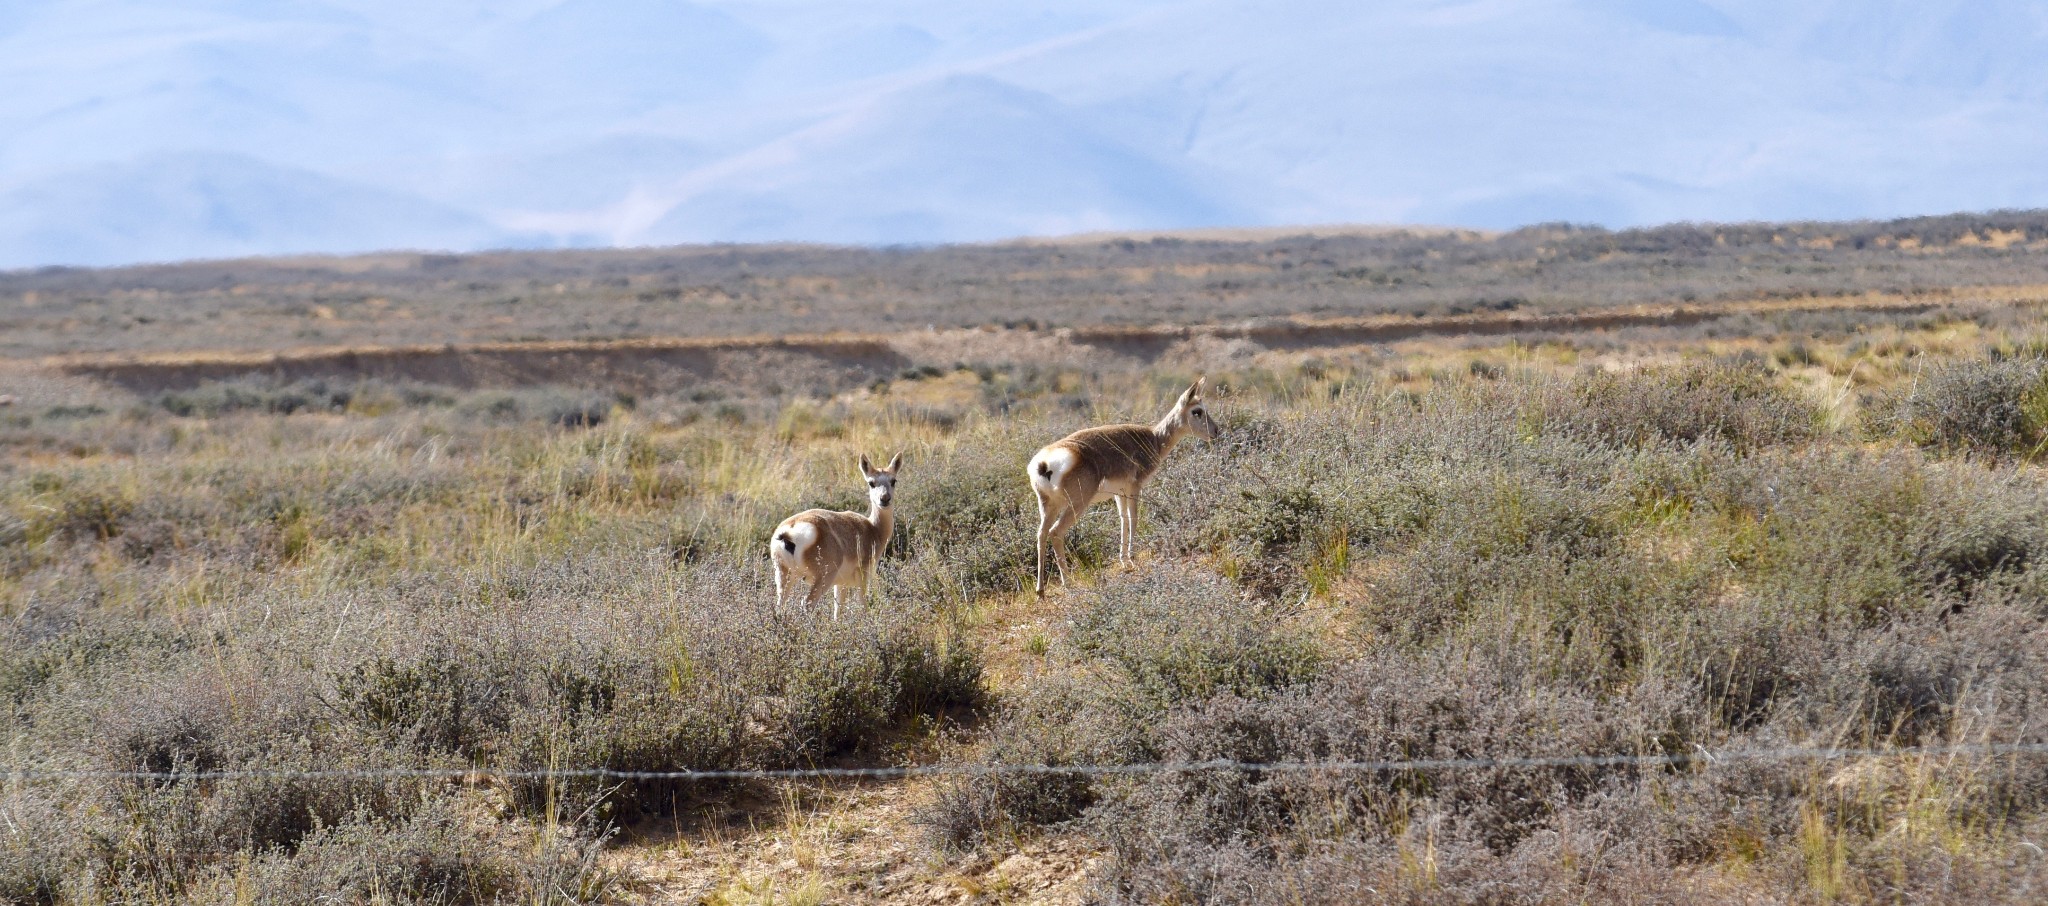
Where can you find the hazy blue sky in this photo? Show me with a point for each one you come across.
(138, 130)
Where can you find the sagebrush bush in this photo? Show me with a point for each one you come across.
(1738, 403)
(274, 396)
(1450, 703)
(225, 397)
(1141, 643)
(969, 518)
(1058, 722)
(713, 680)
(1171, 633)
(435, 857)
(1992, 407)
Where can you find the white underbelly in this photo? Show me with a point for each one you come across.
(847, 574)
(1121, 487)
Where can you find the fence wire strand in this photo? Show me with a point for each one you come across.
(972, 769)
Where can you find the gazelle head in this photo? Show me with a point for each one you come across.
(881, 482)
(1191, 414)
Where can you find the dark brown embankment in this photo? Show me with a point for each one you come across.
(1150, 342)
(793, 364)
(834, 362)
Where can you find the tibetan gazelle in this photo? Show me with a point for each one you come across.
(1071, 474)
(836, 549)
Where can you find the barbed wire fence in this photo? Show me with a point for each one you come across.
(1701, 756)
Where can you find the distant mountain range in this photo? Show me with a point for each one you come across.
(146, 130)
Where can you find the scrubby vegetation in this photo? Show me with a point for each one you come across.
(736, 290)
(372, 615)
(1523, 586)
(428, 584)
(1995, 407)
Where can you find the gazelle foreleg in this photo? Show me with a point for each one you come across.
(1123, 526)
(1133, 555)
(1126, 526)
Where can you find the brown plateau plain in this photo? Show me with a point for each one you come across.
(321, 579)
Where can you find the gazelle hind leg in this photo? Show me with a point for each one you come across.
(781, 579)
(1048, 510)
(1058, 536)
(816, 594)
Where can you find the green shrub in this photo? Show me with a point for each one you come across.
(1142, 644)
(1056, 722)
(1741, 404)
(219, 398)
(969, 521)
(274, 396)
(437, 702)
(89, 514)
(435, 858)
(1271, 532)
(1172, 634)
(1997, 408)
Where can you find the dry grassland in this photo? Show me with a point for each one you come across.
(1627, 522)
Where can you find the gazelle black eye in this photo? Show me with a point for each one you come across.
(874, 484)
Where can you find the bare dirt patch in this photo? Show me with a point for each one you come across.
(839, 844)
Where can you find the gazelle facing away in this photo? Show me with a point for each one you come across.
(836, 549)
(1073, 472)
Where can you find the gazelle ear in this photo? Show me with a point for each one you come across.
(866, 468)
(895, 462)
(1193, 394)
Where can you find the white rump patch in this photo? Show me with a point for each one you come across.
(801, 534)
(1056, 461)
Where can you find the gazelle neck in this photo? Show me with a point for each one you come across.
(882, 518)
(1169, 430)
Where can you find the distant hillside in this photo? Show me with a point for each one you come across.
(343, 125)
(179, 206)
